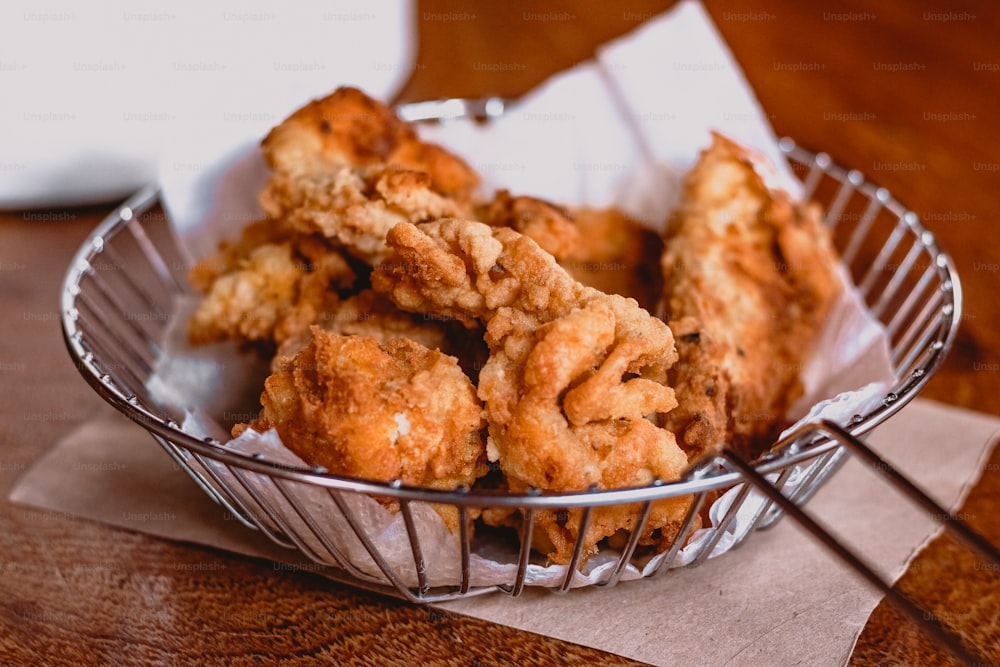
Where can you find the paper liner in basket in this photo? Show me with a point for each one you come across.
(620, 131)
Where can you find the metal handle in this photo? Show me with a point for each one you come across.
(952, 523)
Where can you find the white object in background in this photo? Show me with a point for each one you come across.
(91, 93)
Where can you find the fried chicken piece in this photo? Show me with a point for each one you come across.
(372, 315)
(378, 411)
(271, 293)
(466, 270)
(601, 248)
(547, 224)
(616, 255)
(750, 276)
(572, 376)
(349, 128)
(231, 254)
(355, 206)
(567, 406)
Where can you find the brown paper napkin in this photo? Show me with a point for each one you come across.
(779, 599)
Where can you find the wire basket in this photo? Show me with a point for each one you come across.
(117, 303)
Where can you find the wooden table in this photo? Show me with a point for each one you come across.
(907, 94)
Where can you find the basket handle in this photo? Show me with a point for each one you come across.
(928, 622)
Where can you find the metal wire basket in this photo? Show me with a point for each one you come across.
(117, 304)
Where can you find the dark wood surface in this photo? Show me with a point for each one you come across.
(907, 93)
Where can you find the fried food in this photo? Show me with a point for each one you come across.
(265, 290)
(572, 376)
(372, 315)
(428, 335)
(355, 207)
(349, 128)
(601, 248)
(465, 270)
(750, 277)
(616, 255)
(567, 404)
(380, 411)
(548, 225)
(346, 167)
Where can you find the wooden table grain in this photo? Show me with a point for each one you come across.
(906, 92)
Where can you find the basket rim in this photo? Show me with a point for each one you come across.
(707, 474)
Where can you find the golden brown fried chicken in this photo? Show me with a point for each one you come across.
(572, 376)
(355, 207)
(346, 167)
(465, 270)
(749, 278)
(372, 315)
(232, 253)
(261, 290)
(616, 255)
(349, 128)
(379, 411)
(601, 248)
(547, 224)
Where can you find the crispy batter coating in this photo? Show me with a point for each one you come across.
(346, 167)
(616, 255)
(349, 128)
(572, 376)
(232, 253)
(567, 406)
(601, 248)
(750, 277)
(547, 224)
(466, 270)
(380, 411)
(355, 206)
(372, 315)
(258, 291)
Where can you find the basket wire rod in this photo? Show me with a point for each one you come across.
(212, 493)
(860, 233)
(836, 208)
(630, 546)
(240, 477)
(465, 540)
(913, 342)
(287, 529)
(812, 477)
(779, 483)
(772, 514)
(155, 259)
(723, 526)
(906, 606)
(229, 500)
(833, 461)
(524, 555)
(816, 171)
(131, 323)
(959, 528)
(137, 291)
(115, 375)
(113, 341)
(902, 271)
(687, 527)
(581, 539)
(140, 294)
(372, 550)
(342, 561)
(906, 308)
(880, 261)
(418, 556)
